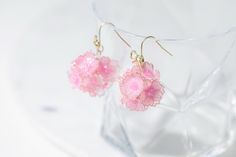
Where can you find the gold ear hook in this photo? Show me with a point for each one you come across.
(100, 29)
(158, 43)
(97, 39)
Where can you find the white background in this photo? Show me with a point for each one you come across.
(18, 136)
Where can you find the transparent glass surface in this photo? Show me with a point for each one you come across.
(195, 117)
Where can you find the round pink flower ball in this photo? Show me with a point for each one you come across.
(93, 74)
(140, 87)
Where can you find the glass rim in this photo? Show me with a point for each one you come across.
(205, 37)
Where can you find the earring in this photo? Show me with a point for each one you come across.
(140, 86)
(92, 72)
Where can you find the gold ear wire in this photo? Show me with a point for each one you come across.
(97, 38)
(100, 29)
(158, 43)
(133, 55)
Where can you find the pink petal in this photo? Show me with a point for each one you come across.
(134, 86)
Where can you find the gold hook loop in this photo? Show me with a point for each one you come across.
(158, 43)
(133, 55)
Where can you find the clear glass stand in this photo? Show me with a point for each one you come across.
(195, 117)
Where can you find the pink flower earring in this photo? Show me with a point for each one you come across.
(140, 86)
(92, 72)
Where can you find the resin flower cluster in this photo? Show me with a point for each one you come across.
(93, 74)
(140, 87)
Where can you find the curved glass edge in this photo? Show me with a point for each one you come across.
(207, 37)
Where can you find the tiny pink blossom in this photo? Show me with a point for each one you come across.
(140, 87)
(93, 74)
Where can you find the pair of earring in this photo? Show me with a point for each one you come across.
(140, 85)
